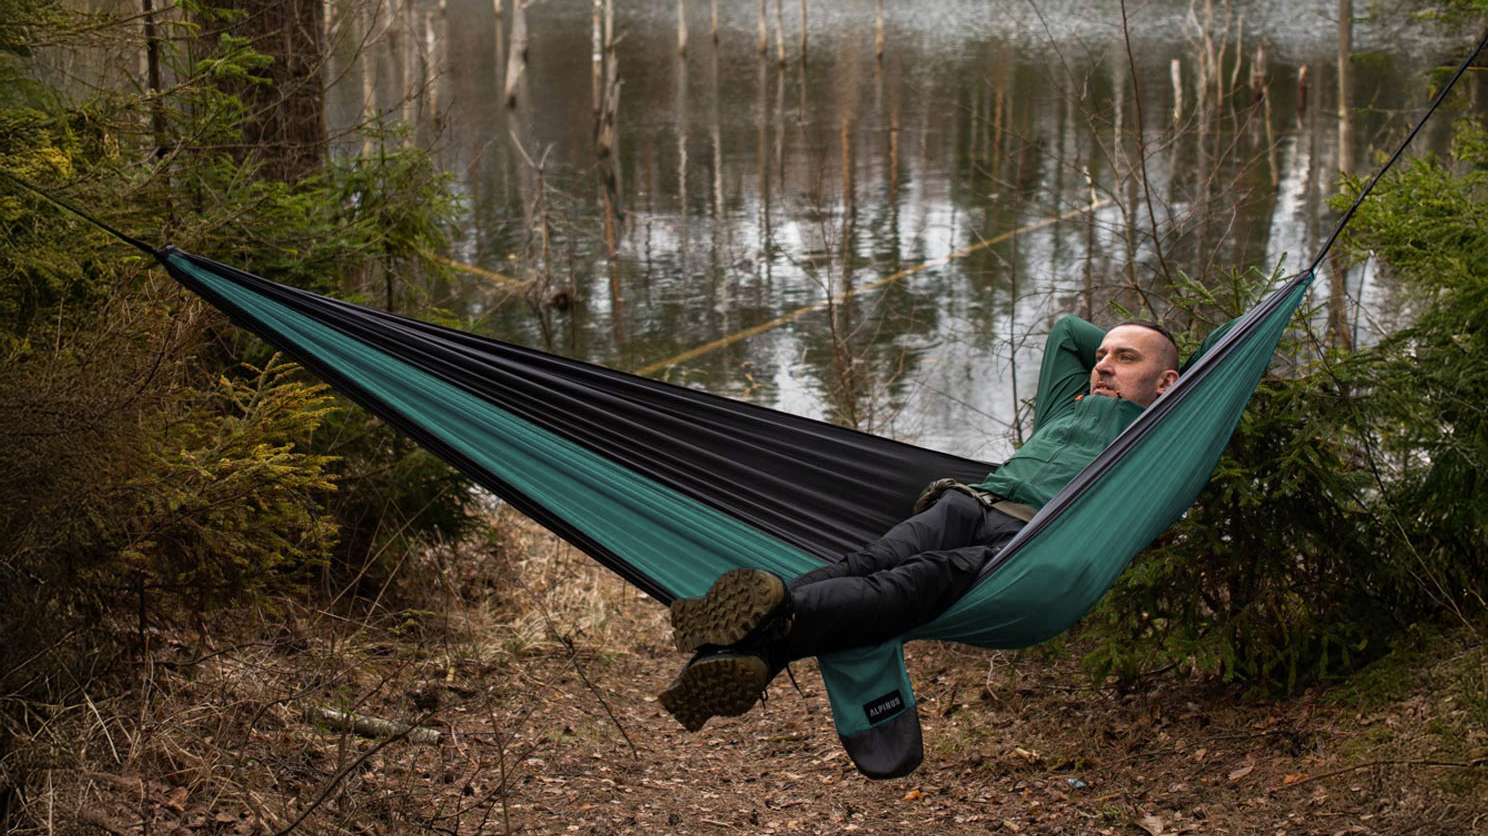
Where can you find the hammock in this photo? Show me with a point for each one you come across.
(670, 487)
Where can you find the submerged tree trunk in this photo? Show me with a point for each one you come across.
(516, 60)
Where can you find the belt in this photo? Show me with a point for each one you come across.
(1002, 505)
(1016, 510)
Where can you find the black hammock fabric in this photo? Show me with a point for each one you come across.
(814, 488)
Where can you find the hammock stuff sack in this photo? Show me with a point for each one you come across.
(670, 487)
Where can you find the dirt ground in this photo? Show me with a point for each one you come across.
(540, 680)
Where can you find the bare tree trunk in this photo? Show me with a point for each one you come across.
(684, 215)
(407, 45)
(500, 42)
(434, 35)
(604, 131)
(1175, 69)
(596, 62)
(764, 28)
(287, 131)
(153, 78)
(516, 60)
(762, 162)
(1260, 86)
(779, 33)
(1303, 84)
(1338, 319)
(609, 174)
(803, 31)
(681, 27)
(1345, 72)
(370, 22)
(878, 33)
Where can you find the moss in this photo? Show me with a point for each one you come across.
(1390, 678)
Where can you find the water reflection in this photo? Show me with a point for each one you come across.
(746, 195)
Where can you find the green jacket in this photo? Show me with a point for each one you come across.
(1069, 428)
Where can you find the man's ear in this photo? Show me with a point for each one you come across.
(1166, 379)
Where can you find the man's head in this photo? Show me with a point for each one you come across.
(1136, 361)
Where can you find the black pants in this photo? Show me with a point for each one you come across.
(908, 577)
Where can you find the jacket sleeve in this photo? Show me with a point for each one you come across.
(1069, 355)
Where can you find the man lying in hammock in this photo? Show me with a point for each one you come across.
(1092, 384)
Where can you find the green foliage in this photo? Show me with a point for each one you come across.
(1429, 225)
(1454, 11)
(225, 500)
(40, 274)
(233, 62)
(355, 229)
(128, 480)
(153, 455)
(28, 25)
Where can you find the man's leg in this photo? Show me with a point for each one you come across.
(832, 610)
(842, 613)
(743, 604)
(887, 589)
(954, 521)
(905, 578)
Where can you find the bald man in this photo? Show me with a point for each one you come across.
(1092, 384)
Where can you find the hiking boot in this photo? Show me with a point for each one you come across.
(716, 683)
(742, 606)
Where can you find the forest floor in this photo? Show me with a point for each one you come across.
(539, 675)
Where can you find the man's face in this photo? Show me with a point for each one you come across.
(1133, 363)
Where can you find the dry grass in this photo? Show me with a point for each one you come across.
(213, 734)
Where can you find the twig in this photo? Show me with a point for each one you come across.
(339, 777)
(369, 726)
(573, 656)
(1480, 763)
(1142, 143)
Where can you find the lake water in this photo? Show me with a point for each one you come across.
(950, 199)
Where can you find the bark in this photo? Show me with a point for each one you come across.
(516, 60)
(878, 32)
(153, 78)
(370, 726)
(286, 127)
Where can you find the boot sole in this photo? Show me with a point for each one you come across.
(719, 687)
(738, 604)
